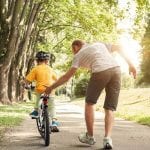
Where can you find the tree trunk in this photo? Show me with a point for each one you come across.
(14, 48)
(22, 50)
(4, 86)
(12, 81)
(10, 48)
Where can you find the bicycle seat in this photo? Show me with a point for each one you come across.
(44, 96)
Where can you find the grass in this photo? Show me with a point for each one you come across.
(134, 105)
(13, 115)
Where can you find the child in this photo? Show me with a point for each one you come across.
(43, 76)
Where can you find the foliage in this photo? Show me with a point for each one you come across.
(29, 26)
(18, 30)
(136, 12)
(81, 85)
(87, 20)
(140, 20)
(145, 73)
(127, 82)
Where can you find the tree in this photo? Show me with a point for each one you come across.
(17, 18)
(145, 65)
(140, 21)
(142, 31)
(27, 26)
(87, 20)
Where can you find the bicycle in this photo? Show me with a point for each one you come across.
(43, 123)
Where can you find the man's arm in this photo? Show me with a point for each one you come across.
(54, 77)
(61, 80)
(120, 50)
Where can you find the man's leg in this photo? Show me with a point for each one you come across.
(110, 105)
(89, 118)
(111, 101)
(96, 85)
(109, 121)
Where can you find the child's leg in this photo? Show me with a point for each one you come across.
(52, 114)
(34, 113)
(37, 99)
(52, 110)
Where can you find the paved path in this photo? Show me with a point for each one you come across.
(126, 135)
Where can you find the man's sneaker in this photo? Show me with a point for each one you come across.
(107, 143)
(54, 127)
(85, 138)
(34, 114)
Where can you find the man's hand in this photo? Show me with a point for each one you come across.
(48, 90)
(132, 71)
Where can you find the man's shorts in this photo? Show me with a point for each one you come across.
(110, 80)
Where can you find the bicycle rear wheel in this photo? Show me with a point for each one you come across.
(46, 127)
(40, 126)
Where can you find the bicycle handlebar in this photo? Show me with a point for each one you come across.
(27, 87)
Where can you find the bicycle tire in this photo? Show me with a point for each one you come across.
(46, 127)
(39, 126)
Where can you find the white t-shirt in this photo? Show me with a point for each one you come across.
(96, 57)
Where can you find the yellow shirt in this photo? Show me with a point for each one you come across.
(43, 75)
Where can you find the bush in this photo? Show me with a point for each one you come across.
(127, 81)
(81, 86)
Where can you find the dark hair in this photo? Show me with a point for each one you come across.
(78, 43)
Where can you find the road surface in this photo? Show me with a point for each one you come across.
(126, 135)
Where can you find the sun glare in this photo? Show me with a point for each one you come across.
(131, 48)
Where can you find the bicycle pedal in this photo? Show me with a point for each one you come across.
(34, 117)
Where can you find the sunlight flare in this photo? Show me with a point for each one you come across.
(131, 48)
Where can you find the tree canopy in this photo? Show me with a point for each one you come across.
(27, 26)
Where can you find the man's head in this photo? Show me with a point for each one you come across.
(42, 57)
(77, 45)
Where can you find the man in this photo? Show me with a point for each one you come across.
(105, 73)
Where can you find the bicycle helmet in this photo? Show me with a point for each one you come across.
(41, 55)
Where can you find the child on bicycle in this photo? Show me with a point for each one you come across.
(43, 76)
